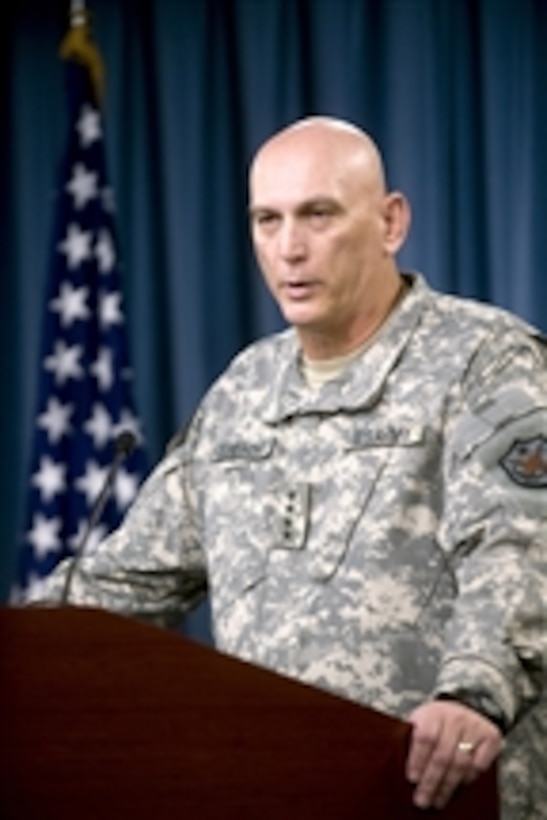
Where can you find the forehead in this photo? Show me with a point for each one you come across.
(289, 171)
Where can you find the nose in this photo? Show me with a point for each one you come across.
(291, 240)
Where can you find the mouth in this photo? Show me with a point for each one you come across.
(298, 289)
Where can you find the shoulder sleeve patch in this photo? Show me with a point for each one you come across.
(525, 462)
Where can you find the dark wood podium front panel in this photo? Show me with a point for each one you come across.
(101, 717)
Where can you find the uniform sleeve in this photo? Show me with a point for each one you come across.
(152, 567)
(494, 528)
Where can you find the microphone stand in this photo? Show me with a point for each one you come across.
(124, 445)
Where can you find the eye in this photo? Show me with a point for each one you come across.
(319, 214)
(266, 220)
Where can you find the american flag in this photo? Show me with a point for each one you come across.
(85, 384)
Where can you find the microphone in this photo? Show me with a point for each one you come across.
(124, 445)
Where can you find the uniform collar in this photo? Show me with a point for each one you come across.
(361, 385)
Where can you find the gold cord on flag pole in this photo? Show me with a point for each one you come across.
(77, 45)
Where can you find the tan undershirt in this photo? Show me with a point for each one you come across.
(317, 372)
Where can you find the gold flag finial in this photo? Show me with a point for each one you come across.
(77, 45)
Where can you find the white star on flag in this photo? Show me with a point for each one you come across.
(44, 535)
(50, 478)
(56, 420)
(110, 312)
(89, 126)
(82, 186)
(64, 362)
(105, 252)
(102, 369)
(76, 246)
(70, 304)
(125, 488)
(92, 481)
(99, 426)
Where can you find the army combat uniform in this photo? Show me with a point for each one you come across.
(383, 537)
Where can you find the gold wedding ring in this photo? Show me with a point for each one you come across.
(466, 746)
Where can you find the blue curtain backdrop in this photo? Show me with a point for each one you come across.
(453, 90)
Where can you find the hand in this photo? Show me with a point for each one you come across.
(451, 744)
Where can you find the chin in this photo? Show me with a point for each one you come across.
(300, 315)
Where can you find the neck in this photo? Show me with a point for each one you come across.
(320, 345)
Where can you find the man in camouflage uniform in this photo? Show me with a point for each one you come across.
(365, 493)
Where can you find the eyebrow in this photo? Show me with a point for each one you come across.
(303, 207)
(322, 201)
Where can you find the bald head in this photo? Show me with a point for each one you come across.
(323, 145)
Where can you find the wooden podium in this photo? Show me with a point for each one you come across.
(102, 717)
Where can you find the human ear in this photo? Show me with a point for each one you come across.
(397, 217)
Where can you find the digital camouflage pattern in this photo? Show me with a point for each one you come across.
(383, 537)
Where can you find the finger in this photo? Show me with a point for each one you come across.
(447, 768)
(421, 748)
(483, 756)
(461, 770)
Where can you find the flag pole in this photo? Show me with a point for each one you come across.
(77, 13)
(78, 45)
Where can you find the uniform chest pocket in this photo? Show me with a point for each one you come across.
(373, 461)
(266, 491)
(240, 476)
(236, 515)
